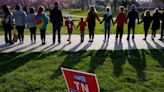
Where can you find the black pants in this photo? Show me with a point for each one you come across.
(129, 29)
(91, 27)
(119, 30)
(56, 28)
(146, 29)
(20, 30)
(7, 30)
(43, 35)
(33, 34)
(162, 28)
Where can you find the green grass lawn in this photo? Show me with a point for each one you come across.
(117, 71)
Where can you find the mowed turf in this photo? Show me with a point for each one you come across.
(117, 71)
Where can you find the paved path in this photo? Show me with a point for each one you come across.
(98, 44)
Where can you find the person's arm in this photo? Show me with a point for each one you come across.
(141, 21)
(102, 20)
(46, 18)
(112, 19)
(73, 24)
(125, 19)
(88, 17)
(78, 26)
(61, 18)
(117, 18)
(97, 17)
(50, 16)
(137, 17)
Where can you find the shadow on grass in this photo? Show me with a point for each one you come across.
(157, 54)
(137, 60)
(11, 61)
(98, 58)
(118, 59)
(72, 59)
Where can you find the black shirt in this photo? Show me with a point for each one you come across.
(56, 16)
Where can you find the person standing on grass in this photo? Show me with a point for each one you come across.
(91, 19)
(120, 20)
(156, 23)
(82, 25)
(147, 19)
(20, 21)
(42, 22)
(162, 26)
(57, 21)
(7, 24)
(31, 24)
(69, 23)
(131, 17)
(107, 18)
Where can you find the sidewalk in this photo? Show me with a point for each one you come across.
(76, 45)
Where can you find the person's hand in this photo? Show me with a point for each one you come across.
(61, 23)
(113, 24)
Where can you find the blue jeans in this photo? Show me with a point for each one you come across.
(107, 29)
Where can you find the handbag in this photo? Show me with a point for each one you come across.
(15, 37)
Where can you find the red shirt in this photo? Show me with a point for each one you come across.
(82, 25)
(121, 19)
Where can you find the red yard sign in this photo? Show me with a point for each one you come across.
(80, 81)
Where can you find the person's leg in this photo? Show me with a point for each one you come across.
(92, 32)
(59, 34)
(152, 36)
(41, 35)
(54, 33)
(82, 36)
(23, 27)
(18, 30)
(146, 31)
(133, 29)
(162, 33)
(117, 31)
(34, 32)
(105, 31)
(89, 28)
(44, 36)
(108, 31)
(6, 38)
(155, 33)
(93, 35)
(31, 34)
(70, 37)
(121, 33)
(10, 36)
(129, 28)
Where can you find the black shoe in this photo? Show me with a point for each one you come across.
(53, 43)
(160, 39)
(127, 39)
(59, 42)
(144, 39)
(11, 43)
(152, 39)
(43, 43)
(132, 37)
